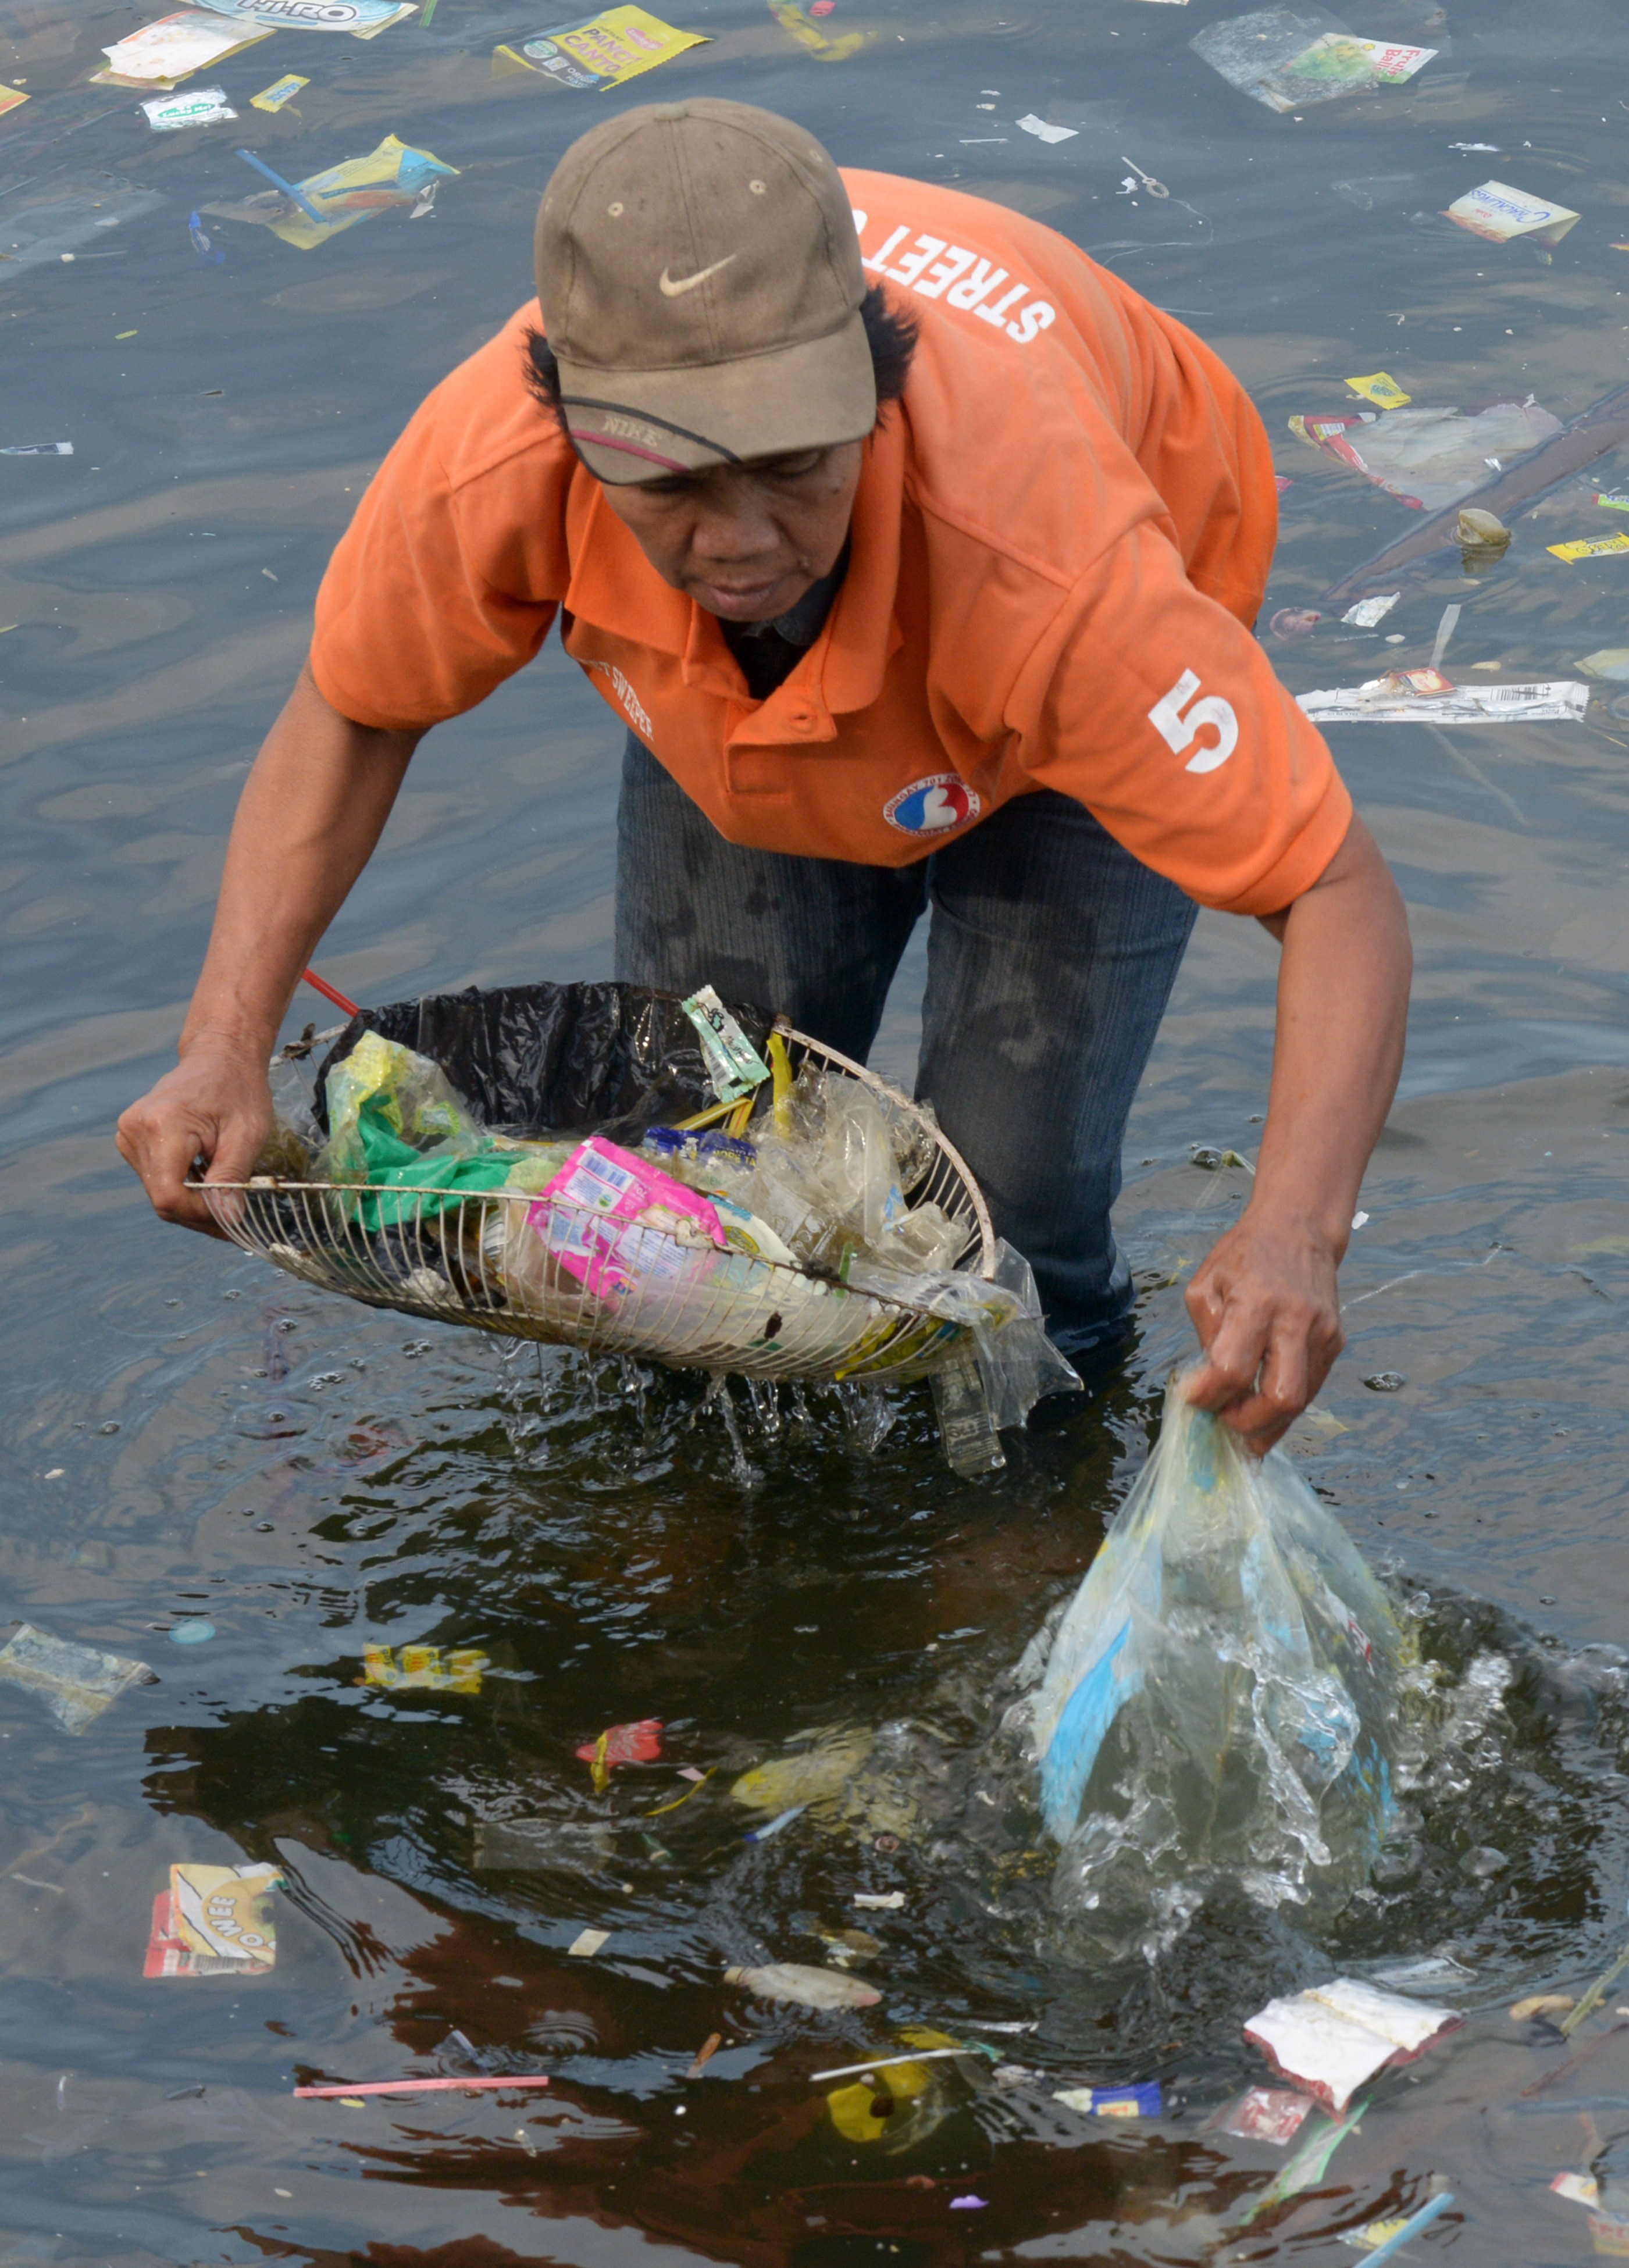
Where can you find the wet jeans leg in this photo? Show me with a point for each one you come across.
(1052, 954)
(815, 939)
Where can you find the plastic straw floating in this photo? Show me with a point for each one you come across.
(420, 2086)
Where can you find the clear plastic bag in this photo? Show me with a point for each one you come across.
(1222, 1698)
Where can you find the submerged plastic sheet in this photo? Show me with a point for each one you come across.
(565, 1059)
(77, 1682)
(1292, 57)
(1429, 458)
(1221, 1700)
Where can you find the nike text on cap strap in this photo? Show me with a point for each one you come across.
(700, 281)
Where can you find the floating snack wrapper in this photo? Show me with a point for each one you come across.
(200, 106)
(359, 189)
(607, 1202)
(283, 90)
(604, 51)
(1600, 547)
(78, 1682)
(1266, 2114)
(734, 1062)
(1144, 2102)
(161, 53)
(425, 1668)
(1329, 2041)
(211, 1922)
(1500, 214)
(1377, 701)
(1382, 389)
(360, 18)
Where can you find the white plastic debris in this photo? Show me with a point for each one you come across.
(1369, 612)
(1329, 2041)
(810, 1988)
(1043, 132)
(880, 1901)
(588, 1942)
(1378, 702)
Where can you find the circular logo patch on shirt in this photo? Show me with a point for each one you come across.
(932, 806)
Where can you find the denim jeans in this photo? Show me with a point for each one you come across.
(1052, 954)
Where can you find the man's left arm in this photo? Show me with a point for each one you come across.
(1265, 1302)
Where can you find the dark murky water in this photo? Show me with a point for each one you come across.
(188, 1435)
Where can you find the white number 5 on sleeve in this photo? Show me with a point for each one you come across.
(1179, 726)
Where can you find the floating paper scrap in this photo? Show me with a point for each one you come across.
(603, 50)
(1144, 2102)
(588, 1942)
(1600, 547)
(211, 1922)
(1043, 132)
(425, 1668)
(1382, 389)
(809, 1988)
(1608, 661)
(173, 49)
(361, 17)
(38, 449)
(1329, 2041)
(1376, 703)
(1289, 58)
(880, 1901)
(1367, 612)
(201, 105)
(78, 1682)
(359, 189)
(10, 98)
(1500, 213)
(281, 90)
(1578, 2189)
(1266, 2114)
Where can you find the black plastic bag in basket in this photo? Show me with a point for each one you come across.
(555, 1059)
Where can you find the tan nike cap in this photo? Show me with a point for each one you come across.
(700, 279)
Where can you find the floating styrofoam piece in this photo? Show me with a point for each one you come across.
(1329, 2041)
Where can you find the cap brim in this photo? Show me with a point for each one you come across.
(633, 425)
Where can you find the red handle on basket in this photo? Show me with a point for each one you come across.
(318, 984)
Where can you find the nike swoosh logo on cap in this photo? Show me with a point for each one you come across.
(672, 291)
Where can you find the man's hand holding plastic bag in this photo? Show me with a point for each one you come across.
(1264, 1303)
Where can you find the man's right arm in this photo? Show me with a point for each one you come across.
(312, 810)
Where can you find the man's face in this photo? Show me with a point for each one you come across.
(745, 541)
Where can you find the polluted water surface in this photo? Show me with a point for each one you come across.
(436, 1569)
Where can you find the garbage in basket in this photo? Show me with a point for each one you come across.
(609, 1166)
(1222, 1700)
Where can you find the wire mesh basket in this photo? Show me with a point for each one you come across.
(510, 1262)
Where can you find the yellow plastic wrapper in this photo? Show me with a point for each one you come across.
(425, 1668)
(604, 51)
(359, 189)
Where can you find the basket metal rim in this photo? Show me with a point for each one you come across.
(271, 1185)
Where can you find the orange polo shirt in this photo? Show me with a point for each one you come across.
(1060, 541)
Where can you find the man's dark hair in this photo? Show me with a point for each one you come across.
(891, 337)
